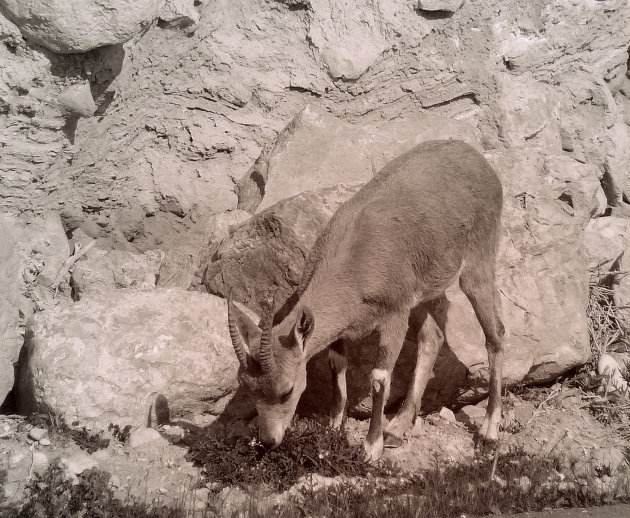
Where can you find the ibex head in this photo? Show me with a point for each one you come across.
(272, 368)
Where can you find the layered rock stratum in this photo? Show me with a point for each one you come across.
(190, 139)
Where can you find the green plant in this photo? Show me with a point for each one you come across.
(53, 495)
(521, 482)
(309, 447)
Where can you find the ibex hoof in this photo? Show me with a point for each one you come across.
(374, 451)
(396, 429)
(393, 441)
(488, 435)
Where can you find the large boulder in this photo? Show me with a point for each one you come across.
(64, 26)
(314, 151)
(11, 324)
(267, 252)
(542, 267)
(109, 356)
(32, 253)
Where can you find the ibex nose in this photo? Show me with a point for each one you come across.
(270, 437)
(269, 442)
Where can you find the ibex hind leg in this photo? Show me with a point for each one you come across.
(338, 361)
(432, 317)
(477, 282)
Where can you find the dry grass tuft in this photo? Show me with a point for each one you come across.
(608, 332)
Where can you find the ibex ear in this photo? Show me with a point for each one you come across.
(304, 325)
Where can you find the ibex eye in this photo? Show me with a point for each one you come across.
(285, 397)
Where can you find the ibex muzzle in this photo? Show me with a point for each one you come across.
(389, 252)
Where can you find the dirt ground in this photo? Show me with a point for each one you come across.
(152, 466)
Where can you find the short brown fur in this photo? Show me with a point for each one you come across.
(427, 217)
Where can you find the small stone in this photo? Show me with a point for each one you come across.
(37, 434)
(440, 5)
(447, 415)
(200, 498)
(115, 481)
(525, 484)
(471, 415)
(174, 434)
(77, 101)
(44, 442)
(101, 455)
(40, 461)
(78, 463)
(566, 140)
(142, 436)
(15, 459)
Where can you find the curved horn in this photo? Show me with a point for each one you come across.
(265, 353)
(235, 334)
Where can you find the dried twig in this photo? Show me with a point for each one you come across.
(77, 253)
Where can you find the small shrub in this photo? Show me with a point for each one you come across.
(308, 447)
(521, 483)
(121, 434)
(53, 495)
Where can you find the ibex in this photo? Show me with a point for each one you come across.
(392, 250)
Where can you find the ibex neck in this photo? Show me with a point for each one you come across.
(333, 315)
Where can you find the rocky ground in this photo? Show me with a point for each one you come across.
(155, 155)
(150, 465)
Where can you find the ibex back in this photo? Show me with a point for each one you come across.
(392, 250)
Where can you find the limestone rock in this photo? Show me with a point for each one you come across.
(102, 269)
(447, 414)
(142, 436)
(471, 415)
(307, 156)
(269, 250)
(542, 268)
(616, 165)
(30, 256)
(109, 356)
(528, 113)
(606, 239)
(440, 5)
(37, 434)
(11, 325)
(176, 270)
(606, 242)
(76, 100)
(349, 37)
(66, 27)
(180, 13)
(78, 463)
(9, 32)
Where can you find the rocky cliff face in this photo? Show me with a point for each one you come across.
(145, 126)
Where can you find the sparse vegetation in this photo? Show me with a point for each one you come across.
(521, 482)
(309, 447)
(53, 495)
(514, 481)
(608, 332)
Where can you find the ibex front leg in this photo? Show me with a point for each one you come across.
(432, 317)
(392, 335)
(338, 365)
